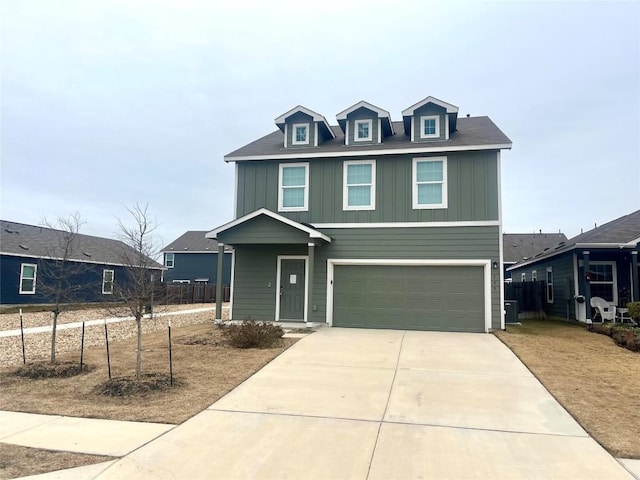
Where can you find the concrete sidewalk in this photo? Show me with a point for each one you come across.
(371, 404)
(81, 435)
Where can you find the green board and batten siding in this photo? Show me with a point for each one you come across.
(255, 266)
(471, 179)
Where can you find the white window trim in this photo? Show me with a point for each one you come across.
(294, 127)
(534, 275)
(113, 277)
(613, 283)
(345, 187)
(423, 119)
(305, 207)
(552, 297)
(166, 259)
(523, 277)
(356, 130)
(35, 276)
(180, 282)
(414, 183)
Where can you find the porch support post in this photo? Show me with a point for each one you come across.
(635, 295)
(219, 283)
(312, 251)
(587, 285)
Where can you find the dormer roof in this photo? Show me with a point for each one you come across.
(387, 125)
(322, 122)
(450, 110)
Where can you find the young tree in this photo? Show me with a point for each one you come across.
(136, 290)
(60, 278)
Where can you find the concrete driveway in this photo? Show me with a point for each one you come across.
(376, 404)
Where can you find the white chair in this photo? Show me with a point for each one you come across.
(602, 308)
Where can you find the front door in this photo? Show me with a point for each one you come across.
(292, 289)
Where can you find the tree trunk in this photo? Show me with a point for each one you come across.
(53, 336)
(139, 351)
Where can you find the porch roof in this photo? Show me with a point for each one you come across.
(264, 226)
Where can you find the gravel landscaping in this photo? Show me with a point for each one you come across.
(38, 345)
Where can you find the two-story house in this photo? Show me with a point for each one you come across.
(370, 223)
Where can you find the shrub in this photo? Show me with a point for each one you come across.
(634, 310)
(252, 334)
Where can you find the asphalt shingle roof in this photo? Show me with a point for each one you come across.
(621, 230)
(472, 131)
(519, 246)
(35, 241)
(193, 241)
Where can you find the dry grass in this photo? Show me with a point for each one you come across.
(17, 461)
(594, 379)
(204, 365)
(206, 371)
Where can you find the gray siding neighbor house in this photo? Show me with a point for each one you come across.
(522, 246)
(30, 262)
(602, 262)
(371, 222)
(193, 258)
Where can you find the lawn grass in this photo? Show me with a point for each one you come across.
(205, 367)
(594, 379)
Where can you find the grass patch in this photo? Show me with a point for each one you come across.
(593, 378)
(205, 368)
(17, 461)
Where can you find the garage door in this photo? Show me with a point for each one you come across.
(409, 297)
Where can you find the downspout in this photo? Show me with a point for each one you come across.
(635, 295)
(219, 284)
(311, 248)
(587, 285)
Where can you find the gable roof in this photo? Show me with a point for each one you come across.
(407, 112)
(520, 246)
(280, 121)
(623, 232)
(473, 133)
(33, 241)
(382, 114)
(312, 232)
(625, 229)
(192, 241)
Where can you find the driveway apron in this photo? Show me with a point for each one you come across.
(380, 404)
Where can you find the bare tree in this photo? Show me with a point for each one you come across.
(61, 278)
(136, 290)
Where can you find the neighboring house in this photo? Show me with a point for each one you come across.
(371, 222)
(602, 262)
(193, 258)
(522, 246)
(27, 253)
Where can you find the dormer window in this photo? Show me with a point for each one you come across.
(363, 130)
(300, 134)
(430, 126)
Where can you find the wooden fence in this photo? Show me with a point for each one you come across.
(194, 293)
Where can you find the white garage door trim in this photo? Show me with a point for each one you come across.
(486, 264)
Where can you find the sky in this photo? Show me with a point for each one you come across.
(105, 104)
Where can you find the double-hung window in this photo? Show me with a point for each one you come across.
(550, 292)
(359, 186)
(534, 275)
(430, 182)
(169, 260)
(363, 130)
(430, 126)
(107, 282)
(300, 134)
(603, 281)
(293, 187)
(28, 278)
